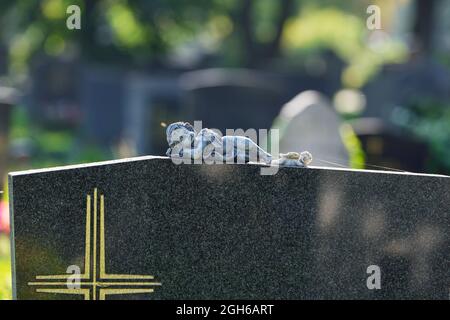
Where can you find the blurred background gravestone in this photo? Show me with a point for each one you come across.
(384, 146)
(3, 60)
(309, 122)
(53, 99)
(101, 102)
(150, 101)
(405, 84)
(397, 125)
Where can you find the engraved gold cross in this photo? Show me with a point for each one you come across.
(95, 283)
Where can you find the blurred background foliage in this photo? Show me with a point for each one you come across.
(5, 268)
(246, 33)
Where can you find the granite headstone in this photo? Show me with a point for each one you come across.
(384, 146)
(145, 228)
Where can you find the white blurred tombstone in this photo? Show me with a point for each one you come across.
(309, 122)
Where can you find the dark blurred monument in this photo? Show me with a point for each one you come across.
(150, 102)
(232, 99)
(54, 100)
(108, 104)
(3, 59)
(401, 87)
(384, 146)
(101, 96)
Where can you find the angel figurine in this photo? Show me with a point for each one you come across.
(185, 142)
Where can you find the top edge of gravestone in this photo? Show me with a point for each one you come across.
(150, 158)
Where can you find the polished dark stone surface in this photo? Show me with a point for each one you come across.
(227, 232)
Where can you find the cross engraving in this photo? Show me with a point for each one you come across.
(95, 283)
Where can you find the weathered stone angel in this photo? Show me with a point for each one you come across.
(185, 143)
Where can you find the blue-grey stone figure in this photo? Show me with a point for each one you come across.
(185, 142)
